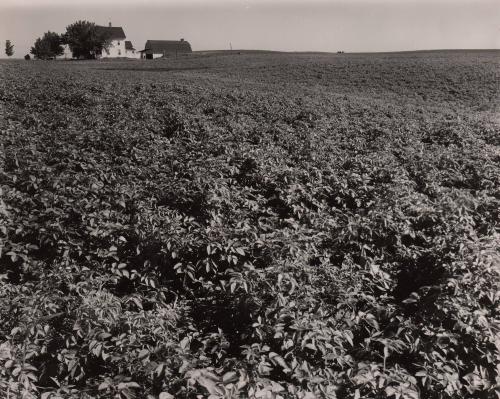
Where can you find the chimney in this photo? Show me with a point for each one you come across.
(110, 24)
(182, 40)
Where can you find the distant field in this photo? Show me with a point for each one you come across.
(261, 225)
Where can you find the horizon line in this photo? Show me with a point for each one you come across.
(290, 52)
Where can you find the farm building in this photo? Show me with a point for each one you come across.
(164, 48)
(67, 54)
(130, 51)
(116, 36)
(118, 46)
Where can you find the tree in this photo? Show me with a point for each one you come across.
(9, 48)
(85, 39)
(47, 47)
(55, 43)
(41, 49)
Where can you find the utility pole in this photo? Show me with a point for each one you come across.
(230, 46)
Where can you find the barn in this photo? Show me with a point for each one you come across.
(165, 48)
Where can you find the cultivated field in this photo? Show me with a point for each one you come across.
(255, 225)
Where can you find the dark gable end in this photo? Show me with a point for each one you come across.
(128, 45)
(167, 46)
(112, 32)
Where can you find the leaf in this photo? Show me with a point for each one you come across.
(277, 359)
(185, 343)
(206, 379)
(159, 370)
(143, 354)
(230, 377)
(127, 393)
(103, 385)
(103, 336)
(209, 385)
(132, 384)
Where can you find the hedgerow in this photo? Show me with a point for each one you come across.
(254, 226)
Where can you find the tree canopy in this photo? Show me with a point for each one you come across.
(49, 46)
(85, 39)
(9, 48)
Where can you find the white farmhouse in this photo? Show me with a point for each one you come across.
(116, 37)
(67, 52)
(116, 47)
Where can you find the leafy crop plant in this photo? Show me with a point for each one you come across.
(251, 226)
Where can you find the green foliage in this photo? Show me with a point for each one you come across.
(236, 227)
(47, 47)
(84, 39)
(41, 50)
(9, 48)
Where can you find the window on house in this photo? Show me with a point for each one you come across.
(118, 43)
(119, 52)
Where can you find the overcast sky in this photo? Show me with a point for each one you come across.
(312, 25)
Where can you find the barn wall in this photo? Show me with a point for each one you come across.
(159, 55)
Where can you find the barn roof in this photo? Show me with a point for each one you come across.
(113, 32)
(128, 45)
(167, 46)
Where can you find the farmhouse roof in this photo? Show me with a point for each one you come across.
(128, 45)
(167, 46)
(113, 32)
